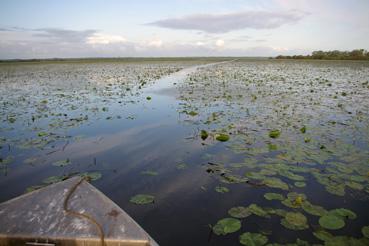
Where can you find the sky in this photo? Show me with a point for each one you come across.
(148, 28)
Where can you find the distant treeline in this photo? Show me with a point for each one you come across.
(360, 54)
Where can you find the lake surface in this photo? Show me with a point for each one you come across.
(287, 142)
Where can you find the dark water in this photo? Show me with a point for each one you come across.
(120, 120)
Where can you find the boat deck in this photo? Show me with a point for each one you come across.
(40, 218)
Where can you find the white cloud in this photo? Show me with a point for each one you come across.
(155, 42)
(219, 43)
(221, 23)
(99, 38)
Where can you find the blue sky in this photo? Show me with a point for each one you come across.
(97, 28)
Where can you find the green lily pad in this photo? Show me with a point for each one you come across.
(295, 221)
(62, 163)
(255, 175)
(275, 183)
(274, 196)
(91, 176)
(34, 187)
(313, 209)
(53, 179)
(323, 235)
(255, 209)
(253, 239)
(344, 213)
(239, 212)
(300, 184)
(192, 113)
(336, 189)
(141, 199)
(222, 137)
(226, 226)
(204, 134)
(181, 166)
(365, 231)
(291, 175)
(331, 222)
(221, 189)
(149, 173)
(42, 134)
(274, 133)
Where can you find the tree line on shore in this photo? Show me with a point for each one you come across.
(358, 54)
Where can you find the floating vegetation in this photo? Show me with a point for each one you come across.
(275, 183)
(295, 221)
(62, 163)
(300, 184)
(259, 211)
(226, 226)
(192, 113)
(274, 133)
(323, 235)
(313, 209)
(141, 199)
(365, 231)
(274, 196)
(297, 136)
(331, 221)
(181, 166)
(149, 173)
(221, 189)
(204, 134)
(240, 212)
(91, 176)
(253, 239)
(222, 137)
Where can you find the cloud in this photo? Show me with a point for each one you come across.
(219, 43)
(222, 23)
(99, 38)
(64, 43)
(64, 35)
(155, 42)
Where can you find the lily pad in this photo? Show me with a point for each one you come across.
(192, 113)
(323, 235)
(300, 184)
(275, 183)
(239, 212)
(204, 134)
(53, 179)
(274, 196)
(255, 209)
(313, 209)
(274, 133)
(222, 137)
(181, 166)
(142, 199)
(365, 231)
(149, 173)
(221, 189)
(226, 226)
(253, 239)
(344, 213)
(331, 222)
(62, 163)
(91, 176)
(295, 221)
